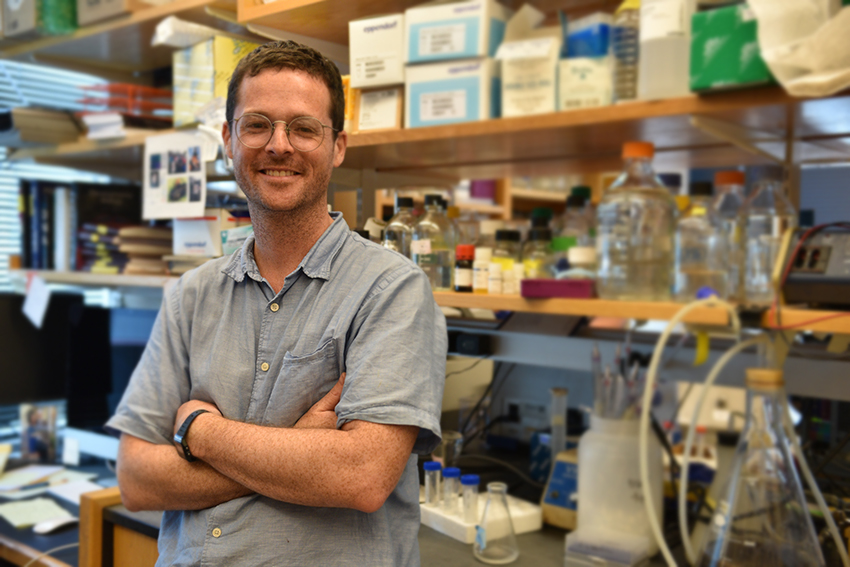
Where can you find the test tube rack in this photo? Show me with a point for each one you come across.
(526, 517)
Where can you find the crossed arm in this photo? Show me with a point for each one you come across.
(312, 463)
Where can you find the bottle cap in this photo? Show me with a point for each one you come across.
(404, 202)
(505, 234)
(541, 212)
(483, 254)
(562, 243)
(451, 472)
(702, 429)
(470, 480)
(432, 466)
(581, 255)
(764, 378)
(638, 150)
(671, 180)
(433, 200)
(701, 189)
(464, 252)
(731, 177)
(582, 191)
(490, 227)
(495, 268)
(576, 201)
(543, 234)
(453, 212)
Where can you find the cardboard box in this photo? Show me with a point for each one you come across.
(202, 72)
(589, 36)
(379, 109)
(529, 57)
(457, 30)
(202, 236)
(585, 82)
(449, 93)
(376, 51)
(724, 50)
(19, 17)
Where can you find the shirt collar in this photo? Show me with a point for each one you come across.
(316, 264)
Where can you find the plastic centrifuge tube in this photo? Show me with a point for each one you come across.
(432, 483)
(451, 475)
(470, 482)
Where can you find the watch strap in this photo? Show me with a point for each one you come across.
(180, 436)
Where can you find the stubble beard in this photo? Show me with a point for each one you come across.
(312, 192)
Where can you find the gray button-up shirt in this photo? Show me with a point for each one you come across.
(224, 336)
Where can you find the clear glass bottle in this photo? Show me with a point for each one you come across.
(469, 484)
(507, 251)
(430, 247)
(701, 256)
(453, 214)
(625, 44)
(537, 254)
(487, 233)
(495, 540)
(728, 204)
(574, 224)
(768, 214)
(388, 241)
(762, 517)
(635, 226)
(432, 482)
(582, 264)
(400, 227)
(586, 193)
(665, 49)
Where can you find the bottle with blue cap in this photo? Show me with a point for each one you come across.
(432, 483)
(469, 484)
(451, 476)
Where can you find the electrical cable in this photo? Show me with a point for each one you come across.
(643, 431)
(49, 551)
(527, 479)
(470, 367)
(832, 453)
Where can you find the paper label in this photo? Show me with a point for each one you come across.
(442, 106)
(420, 247)
(662, 18)
(481, 538)
(373, 68)
(378, 109)
(442, 40)
(35, 303)
(528, 49)
(463, 277)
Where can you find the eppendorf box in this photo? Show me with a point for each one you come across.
(458, 30)
(449, 93)
(201, 236)
(376, 51)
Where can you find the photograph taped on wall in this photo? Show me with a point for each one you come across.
(175, 178)
(38, 432)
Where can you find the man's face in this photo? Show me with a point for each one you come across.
(277, 177)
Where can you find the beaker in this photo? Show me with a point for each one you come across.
(762, 517)
(495, 542)
(450, 448)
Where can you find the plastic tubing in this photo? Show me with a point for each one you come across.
(648, 392)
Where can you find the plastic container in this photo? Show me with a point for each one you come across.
(432, 483)
(701, 254)
(625, 45)
(401, 226)
(464, 254)
(469, 485)
(729, 204)
(768, 214)
(634, 239)
(481, 269)
(451, 488)
(665, 49)
(495, 539)
(430, 248)
(613, 502)
(762, 517)
(537, 254)
(494, 278)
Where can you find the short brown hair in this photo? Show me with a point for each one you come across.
(287, 54)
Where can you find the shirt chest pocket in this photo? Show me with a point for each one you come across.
(302, 382)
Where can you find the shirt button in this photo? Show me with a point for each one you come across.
(216, 532)
(264, 366)
(274, 307)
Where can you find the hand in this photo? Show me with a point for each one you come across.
(323, 415)
(190, 406)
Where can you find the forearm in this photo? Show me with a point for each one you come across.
(155, 477)
(354, 467)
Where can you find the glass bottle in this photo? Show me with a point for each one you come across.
(762, 517)
(453, 215)
(537, 254)
(401, 225)
(701, 257)
(508, 254)
(625, 44)
(768, 214)
(389, 241)
(495, 542)
(574, 225)
(430, 249)
(464, 254)
(728, 203)
(635, 225)
(432, 482)
(487, 233)
(586, 193)
(451, 489)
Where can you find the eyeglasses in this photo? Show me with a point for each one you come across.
(304, 133)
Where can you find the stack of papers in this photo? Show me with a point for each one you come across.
(103, 125)
(37, 479)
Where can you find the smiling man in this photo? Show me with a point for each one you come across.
(285, 391)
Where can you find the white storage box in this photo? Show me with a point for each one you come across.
(449, 93)
(202, 236)
(526, 517)
(376, 51)
(454, 31)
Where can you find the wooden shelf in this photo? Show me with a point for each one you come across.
(538, 195)
(86, 279)
(122, 46)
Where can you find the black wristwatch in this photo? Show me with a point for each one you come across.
(180, 436)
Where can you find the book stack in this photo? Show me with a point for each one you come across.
(145, 247)
(23, 127)
(97, 249)
(103, 125)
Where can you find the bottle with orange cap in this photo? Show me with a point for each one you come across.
(762, 517)
(634, 235)
(728, 204)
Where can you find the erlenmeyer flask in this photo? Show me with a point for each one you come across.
(495, 542)
(762, 518)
